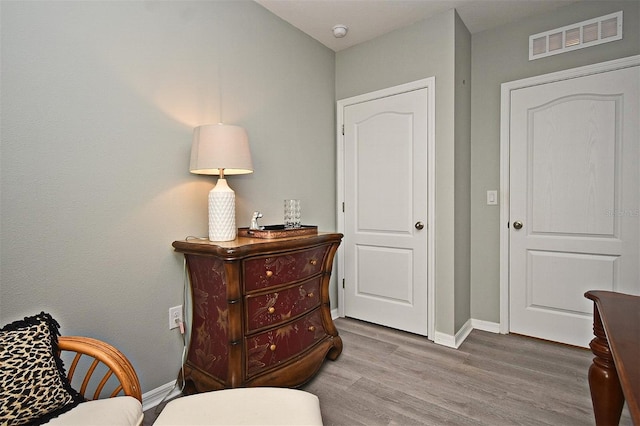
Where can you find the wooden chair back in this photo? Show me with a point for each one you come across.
(97, 369)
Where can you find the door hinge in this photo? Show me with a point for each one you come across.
(343, 207)
(343, 130)
(343, 283)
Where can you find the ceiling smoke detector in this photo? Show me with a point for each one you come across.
(340, 31)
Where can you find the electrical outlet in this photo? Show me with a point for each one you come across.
(175, 317)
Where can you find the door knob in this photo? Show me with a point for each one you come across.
(419, 225)
(517, 224)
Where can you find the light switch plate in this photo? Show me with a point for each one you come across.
(492, 198)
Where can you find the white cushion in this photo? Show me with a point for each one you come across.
(243, 406)
(121, 410)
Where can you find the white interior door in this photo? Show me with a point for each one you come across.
(574, 201)
(385, 219)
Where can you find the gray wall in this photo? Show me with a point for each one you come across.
(499, 56)
(99, 100)
(462, 212)
(422, 50)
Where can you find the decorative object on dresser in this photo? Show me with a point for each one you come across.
(292, 214)
(277, 231)
(220, 149)
(261, 311)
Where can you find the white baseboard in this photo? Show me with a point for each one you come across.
(444, 339)
(472, 324)
(463, 333)
(155, 396)
(453, 341)
(334, 314)
(491, 327)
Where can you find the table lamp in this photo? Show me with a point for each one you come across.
(220, 149)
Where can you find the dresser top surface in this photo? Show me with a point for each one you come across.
(242, 246)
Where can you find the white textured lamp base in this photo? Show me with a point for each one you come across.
(222, 212)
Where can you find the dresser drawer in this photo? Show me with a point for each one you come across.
(274, 346)
(267, 310)
(263, 272)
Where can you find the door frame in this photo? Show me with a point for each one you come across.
(505, 126)
(430, 84)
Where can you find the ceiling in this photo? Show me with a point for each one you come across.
(367, 19)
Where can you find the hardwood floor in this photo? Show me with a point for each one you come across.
(388, 377)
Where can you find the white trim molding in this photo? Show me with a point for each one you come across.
(156, 396)
(491, 327)
(462, 334)
(454, 341)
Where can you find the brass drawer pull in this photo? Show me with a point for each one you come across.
(269, 274)
(311, 328)
(271, 309)
(310, 295)
(272, 348)
(313, 262)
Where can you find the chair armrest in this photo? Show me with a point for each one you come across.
(106, 361)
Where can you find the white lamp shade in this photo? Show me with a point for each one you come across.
(216, 148)
(220, 146)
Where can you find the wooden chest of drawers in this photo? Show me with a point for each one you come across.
(260, 311)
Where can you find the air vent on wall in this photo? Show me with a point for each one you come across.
(576, 36)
